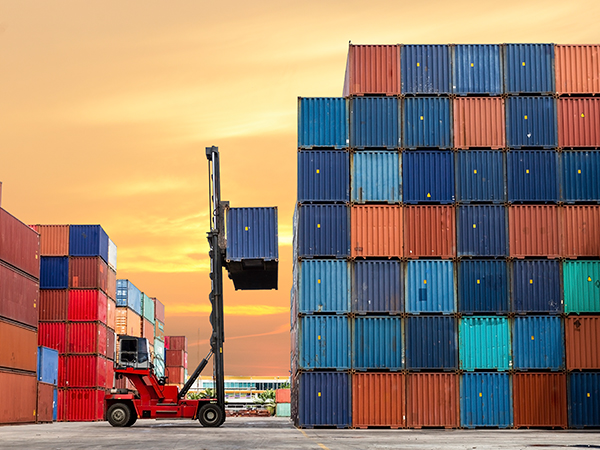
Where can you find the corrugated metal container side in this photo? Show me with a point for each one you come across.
(581, 231)
(484, 343)
(577, 69)
(19, 244)
(60, 405)
(378, 399)
(88, 240)
(529, 68)
(580, 173)
(324, 286)
(429, 231)
(283, 410)
(324, 398)
(283, 396)
(129, 295)
(55, 406)
(431, 343)
(581, 281)
(428, 177)
(53, 335)
(376, 177)
(84, 405)
(53, 305)
(376, 231)
(87, 306)
(479, 122)
(531, 122)
(112, 255)
(426, 69)
(584, 400)
(432, 400)
(378, 343)
(579, 122)
(532, 175)
(18, 297)
(159, 310)
(87, 371)
(175, 358)
(111, 284)
(375, 122)
(45, 401)
(538, 343)
(482, 286)
(540, 400)
(19, 398)
(477, 69)
(482, 230)
(534, 230)
(324, 230)
(147, 308)
(54, 272)
(430, 287)
(18, 348)
(324, 342)
(480, 176)
(177, 343)
(47, 365)
(128, 322)
(427, 122)
(111, 314)
(88, 273)
(322, 122)
(323, 176)
(372, 69)
(377, 287)
(159, 330)
(582, 340)
(536, 286)
(252, 234)
(148, 330)
(111, 340)
(54, 240)
(86, 338)
(486, 400)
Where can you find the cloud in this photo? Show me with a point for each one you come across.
(232, 310)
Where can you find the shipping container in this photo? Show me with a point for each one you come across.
(129, 295)
(531, 122)
(480, 176)
(53, 305)
(128, 322)
(376, 177)
(486, 400)
(60, 405)
(431, 343)
(252, 234)
(376, 230)
(111, 314)
(482, 287)
(579, 122)
(87, 306)
(323, 176)
(529, 68)
(377, 343)
(378, 400)
(159, 310)
(540, 400)
(584, 400)
(53, 335)
(86, 338)
(45, 403)
(19, 398)
(582, 341)
(177, 343)
(484, 343)
(375, 122)
(532, 176)
(372, 69)
(427, 122)
(19, 245)
(324, 399)
(159, 358)
(54, 240)
(536, 286)
(428, 177)
(580, 171)
(482, 230)
(479, 122)
(47, 365)
(432, 400)
(87, 371)
(324, 286)
(282, 396)
(581, 281)
(324, 342)
(18, 297)
(147, 308)
(111, 284)
(581, 231)
(176, 358)
(54, 272)
(148, 330)
(111, 341)
(84, 405)
(112, 255)
(18, 347)
(323, 123)
(426, 69)
(323, 230)
(538, 343)
(159, 330)
(577, 69)
(430, 287)
(429, 231)
(55, 406)
(534, 230)
(175, 375)
(282, 410)
(477, 69)
(377, 287)
(88, 240)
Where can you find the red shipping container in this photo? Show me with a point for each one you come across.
(60, 405)
(582, 336)
(148, 330)
(86, 338)
(178, 343)
(86, 371)
(540, 400)
(159, 310)
(429, 231)
(111, 284)
(18, 347)
(19, 245)
(19, 297)
(479, 122)
(111, 314)
(175, 375)
(378, 399)
(87, 306)
(19, 398)
(88, 273)
(376, 231)
(432, 400)
(62, 371)
(110, 344)
(578, 122)
(53, 305)
(176, 358)
(282, 396)
(45, 402)
(110, 374)
(124, 383)
(54, 240)
(84, 405)
(534, 230)
(581, 231)
(167, 342)
(577, 69)
(372, 69)
(53, 335)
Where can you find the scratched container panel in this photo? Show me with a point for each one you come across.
(323, 176)
(540, 400)
(529, 68)
(378, 343)
(428, 177)
(479, 122)
(323, 230)
(372, 69)
(531, 122)
(538, 343)
(482, 286)
(377, 287)
(584, 400)
(481, 230)
(486, 400)
(324, 286)
(581, 281)
(480, 176)
(322, 122)
(577, 69)
(536, 286)
(532, 176)
(324, 399)
(429, 231)
(484, 343)
(580, 172)
(375, 122)
(427, 122)
(579, 122)
(425, 69)
(476, 69)
(376, 177)
(430, 287)
(324, 342)
(431, 343)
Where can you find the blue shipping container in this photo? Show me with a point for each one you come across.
(580, 174)
(532, 175)
(324, 342)
(536, 286)
(376, 177)
(529, 68)
(47, 365)
(430, 287)
(375, 122)
(481, 230)
(252, 234)
(378, 343)
(324, 399)
(431, 343)
(427, 123)
(425, 69)
(486, 400)
(476, 69)
(128, 295)
(584, 399)
(323, 176)
(480, 176)
(55, 405)
(88, 240)
(428, 177)
(322, 122)
(377, 287)
(538, 343)
(531, 122)
(323, 230)
(324, 286)
(482, 286)
(484, 343)
(54, 272)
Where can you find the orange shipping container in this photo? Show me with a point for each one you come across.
(376, 231)
(429, 231)
(534, 230)
(111, 314)
(578, 122)
(175, 375)
(45, 400)
(128, 322)
(378, 399)
(111, 284)
(582, 336)
(53, 305)
(18, 348)
(479, 122)
(282, 396)
(148, 330)
(577, 69)
(54, 240)
(581, 231)
(540, 400)
(372, 69)
(432, 400)
(19, 398)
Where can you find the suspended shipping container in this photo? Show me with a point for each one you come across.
(375, 122)
(376, 177)
(476, 69)
(324, 342)
(323, 231)
(432, 400)
(538, 343)
(88, 240)
(425, 69)
(431, 343)
(377, 343)
(581, 281)
(376, 231)
(54, 272)
(482, 231)
(484, 343)
(580, 174)
(18, 297)
(480, 176)
(324, 399)
(427, 122)
(324, 286)
(540, 400)
(428, 177)
(581, 231)
(87, 306)
(486, 400)
(323, 176)
(372, 69)
(529, 68)
(429, 231)
(322, 123)
(479, 122)
(430, 287)
(579, 122)
(532, 176)
(584, 400)
(536, 287)
(577, 69)
(534, 230)
(378, 400)
(377, 287)
(129, 295)
(582, 340)
(252, 234)
(19, 245)
(54, 240)
(482, 287)
(18, 347)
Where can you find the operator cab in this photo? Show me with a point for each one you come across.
(133, 352)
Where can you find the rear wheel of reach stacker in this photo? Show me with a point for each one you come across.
(210, 415)
(119, 415)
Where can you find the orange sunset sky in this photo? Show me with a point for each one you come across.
(106, 108)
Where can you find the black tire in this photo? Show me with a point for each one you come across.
(132, 420)
(210, 415)
(119, 415)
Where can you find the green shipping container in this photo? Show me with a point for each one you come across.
(484, 343)
(147, 308)
(581, 281)
(283, 410)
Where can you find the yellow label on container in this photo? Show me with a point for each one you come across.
(588, 394)
(424, 281)
(532, 338)
(318, 225)
(589, 278)
(478, 282)
(319, 394)
(474, 226)
(317, 170)
(246, 228)
(525, 117)
(480, 394)
(530, 281)
(579, 171)
(421, 117)
(582, 115)
(523, 63)
(319, 281)
(428, 195)
(526, 170)
(418, 64)
(319, 337)
(472, 65)
(475, 171)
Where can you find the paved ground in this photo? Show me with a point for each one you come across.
(277, 433)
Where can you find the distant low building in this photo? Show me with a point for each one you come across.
(241, 391)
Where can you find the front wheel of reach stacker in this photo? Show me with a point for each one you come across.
(210, 415)
(118, 415)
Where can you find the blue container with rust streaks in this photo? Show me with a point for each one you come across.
(375, 123)
(483, 286)
(481, 230)
(580, 172)
(322, 122)
(484, 343)
(54, 272)
(324, 286)
(324, 399)
(324, 342)
(480, 176)
(425, 69)
(486, 400)
(427, 122)
(430, 287)
(536, 286)
(376, 177)
(477, 69)
(378, 343)
(529, 69)
(323, 231)
(431, 343)
(377, 287)
(584, 399)
(531, 122)
(428, 177)
(323, 176)
(538, 343)
(532, 176)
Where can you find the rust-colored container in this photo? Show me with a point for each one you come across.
(378, 399)
(148, 330)
(53, 335)
(479, 122)
(18, 347)
(111, 314)
(540, 400)
(175, 375)
(19, 297)
(534, 230)
(159, 310)
(582, 336)
(111, 284)
(176, 358)
(376, 231)
(124, 383)
(581, 231)
(283, 396)
(86, 338)
(432, 400)
(372, 69)
(177, 343)
(45, 402)
(111, 344)
(578, 122)
(54, 240)
(19, 245)
(87, 305)
(128, 322)
(84, 405)
(88, 273)
(429, 231)
(577, 69)
(53, 305)
(19, 397)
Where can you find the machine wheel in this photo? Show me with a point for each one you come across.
(132, 420)
(210, 415)
(119, 415)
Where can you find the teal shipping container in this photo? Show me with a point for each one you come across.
(324, 286)
(376, 177)
(581, 280)
(484, 343)
(147, 308)
(283, 410)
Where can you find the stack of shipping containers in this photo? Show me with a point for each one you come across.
(176, 357)
(447, 205)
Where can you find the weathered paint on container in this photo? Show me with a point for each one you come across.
(538, 343)
(54, 272)
(480, 176)
(529, 68)
(88, 240)
(536, 286)
(584, 400)
(45, 400)
(581, 231)
(534, 230)
(53, 305)
(481, 230)
(577, 69)
(479, 122)
(540, 400)
(18, 348)
(426, 69)
(18, 297)
(484, 343)
(482, 286)
(324, 399)
(322, 123)
(376, 177)
(477, 69)
(378, 400)
(87, 305)
(377, 287)
(129, 295)
(324, 286)
(19, 244)
(532, 176)
(581, 281)
(54, 240)
(111, 313)
(486, 400)
(87, 371)
(324, 342)
(579, 122)
(111, 284)
(430, 287)
(531, 122)
(376, 230)
(19, 398)
(323, 176)
(84, 405)
(427, 122)
(252, 234)
(53, 335)
(372, 69)
(128, 322)
(147, 308)
(378, 343)
(86, 338)
(112, 255)
(47, 365)
(428, 177)
(431, 343)
(88, 273)
(177, 343)
(432, 400)
(176, 358)
(429, 231)
(582, 340)
(323, 230)
(159, 310)
(580, 172)
(375, 122)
